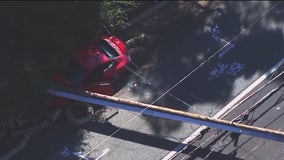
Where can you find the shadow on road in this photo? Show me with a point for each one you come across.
(186, 43)
(149, 140)
(131, 135)
(49, 143)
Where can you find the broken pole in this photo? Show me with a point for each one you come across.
(164, 112)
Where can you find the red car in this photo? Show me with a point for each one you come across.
(93, 67)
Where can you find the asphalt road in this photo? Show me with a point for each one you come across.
(180, 68)
(225, 145)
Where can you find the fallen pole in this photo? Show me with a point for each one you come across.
(158, 111)
(237, 101)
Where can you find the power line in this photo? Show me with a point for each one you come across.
(181, 80)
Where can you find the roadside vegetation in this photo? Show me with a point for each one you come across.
(39, 37)
(115, 13)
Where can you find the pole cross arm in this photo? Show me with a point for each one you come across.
(164, 112)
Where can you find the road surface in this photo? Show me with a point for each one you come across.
(192, 68)
(225, 145)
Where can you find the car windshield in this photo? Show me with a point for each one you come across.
(97, 73)
(107, 49)
(74, 73)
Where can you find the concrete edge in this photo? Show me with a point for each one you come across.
(223, 112)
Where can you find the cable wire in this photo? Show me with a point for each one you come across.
(181, 80)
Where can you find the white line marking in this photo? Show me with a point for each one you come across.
(224, 111)
(228, 45)
(105, 151)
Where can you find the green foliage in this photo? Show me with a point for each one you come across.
(114, 13)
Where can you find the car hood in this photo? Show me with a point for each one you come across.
(90, 57)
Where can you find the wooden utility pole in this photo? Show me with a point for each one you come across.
(164, 112)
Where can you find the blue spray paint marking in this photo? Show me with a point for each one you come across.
(67, 153)
(222, 68)
(220, 40)
(235, 68)
(228, 45)
(215, 30)
(226, 49)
